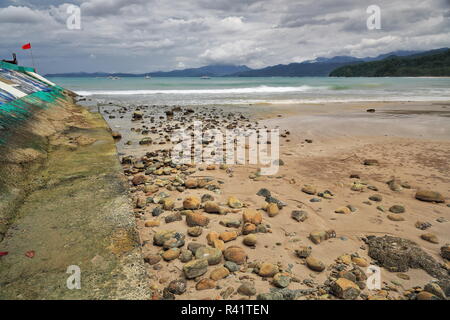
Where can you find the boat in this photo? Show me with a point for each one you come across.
(205, 77)
(147, 77)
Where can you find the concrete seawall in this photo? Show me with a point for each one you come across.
(63, 202)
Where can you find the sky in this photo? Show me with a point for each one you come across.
(139, 36)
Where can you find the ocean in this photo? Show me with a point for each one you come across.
(267, 90)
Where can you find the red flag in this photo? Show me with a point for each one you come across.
(26, 46)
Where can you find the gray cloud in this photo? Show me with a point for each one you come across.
(150, 35)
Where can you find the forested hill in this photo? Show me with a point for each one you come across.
(432, 65)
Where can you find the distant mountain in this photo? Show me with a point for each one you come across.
(319, 67)
(430, 63)
(211, 71)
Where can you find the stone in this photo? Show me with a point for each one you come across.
(205, 284)
(272, 209)
(395, 217)
(191, 183)
(152, 259)
(194, 219)
(177, 286)
(315, 264)
(168, 204)
(250, 240)
(191, 203)
(309, 189)
(185, 255)
(231, 266)
(173, 217)
(163, 238)
(194, 246)
(281, 280)
(395, 185)
(212, 255)
(397, 208)
(435, 289)
(207, 197)
(303, 252)
(263, 193)
(171, 254)
(116, 135)
(267, 269)
(152, 223)
(299, 215)
(219, 273)
(319, 236)
(345, 259)
(252, 216)
(370, 162)
(343, 210)
(157, 211)
(430, 237)
(376, 198)
(139, 179)
(234, 203)
(211, 236)
(249, 228)
(357, 187)
(445, 251)
(345, 289)
(425, 295)
(422, 225)
(218, 244)
(228, 236)
(247, 289)
(195, 231)
(235, 254)
(360, 262)
(195, 268)
(429, 196)
(211, 207)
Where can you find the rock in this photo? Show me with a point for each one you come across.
(185, 255)
(219, 273)
(345, 289)
(205, 284)
(430, 237)
(212, 255)
(376, 198)
(116, 135)
(429, 196)
(228, 236)
(343, 210)
(434, 288)
(299, 215)
(139, 179)
(177, 286)
(247, 289)
(231, 266)
(191, 203)
(173, 217)
(281, 280)
(193, 247)
(157, 211)
(303, 252)
(151, 223)
(370, 110)
(168, 204)
(234, 203)
(207, 197)
(422, 225)
(211, 236)
(370, 162)
(357, 187)
(425, 295)
(270, 296)
(398, 255)
(263, 193)
(315, 264)
(195, 268)
(397, 208)
(191, 183)
(249, 228)
(230, 223)
(309, 189)
(195, 231)
(252, 216)
(235, 254)
(171, 254)
(272, 209)
(194, 219)
(395, 185)
(168, 238)
(250, 240)
(345, 259)
(211, 207)
(445, 251)
(360, 262)
(267, 269)
(395, 217)
(319, 236)
(152, 258)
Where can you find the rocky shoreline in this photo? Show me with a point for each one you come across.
(211, 231)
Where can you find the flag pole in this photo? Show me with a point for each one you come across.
(32, 58)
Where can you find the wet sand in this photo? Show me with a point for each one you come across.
(323, 146)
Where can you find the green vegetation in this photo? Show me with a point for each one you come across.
(412, 66)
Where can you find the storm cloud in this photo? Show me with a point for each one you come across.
(151, 35)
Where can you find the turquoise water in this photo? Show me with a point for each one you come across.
(271, 90)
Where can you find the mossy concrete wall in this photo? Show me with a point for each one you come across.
(63, 196)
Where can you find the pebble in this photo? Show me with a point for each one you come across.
(343, 210)
(250, 240)
(212, 255)
(397, 208)
(303, 252)
(376, 198)
(272, 209)
(309, 189)
(252, 216)
(177, 286)
(430, 237)
(429, 196)
(281, 280)
(234, 203)
(152, 258)
(191, 203)
(195, 231)
(315, 264)
(345, 289)
(185, 255)
(395, 217)
(219, 273)
(205, 284)
(194, 219)
(299, 215)
(267, 269)
(235, 254)
(171, 254)
(195, 268)
(231, 266)
(228, 236)
(247, 289)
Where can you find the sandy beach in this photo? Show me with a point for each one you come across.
(324, 189)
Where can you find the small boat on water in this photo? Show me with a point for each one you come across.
(113, 78)
(205, 77)
(147, 77)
